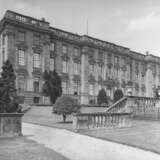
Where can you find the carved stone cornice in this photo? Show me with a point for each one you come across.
(65, 57)
(37, 71)
(116, 66)
(136, 86)
(77, 59)
(65, 77)
(53, 54)
(77, 79)
(100, 62)
(22, 45)
(22, 70)
(91, 79)
(124, 68)
(37, 48)
(91, 61)
(109, 64)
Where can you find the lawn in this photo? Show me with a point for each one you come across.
(21, 148)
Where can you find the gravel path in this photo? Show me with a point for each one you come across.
(77, 147)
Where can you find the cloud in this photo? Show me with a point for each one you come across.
(149, 21)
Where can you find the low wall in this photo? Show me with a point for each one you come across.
(100, 120)
(10, 124)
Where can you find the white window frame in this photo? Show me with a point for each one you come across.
(21, 57)
(36, 60)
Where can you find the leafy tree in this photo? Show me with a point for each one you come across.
(8, 95)
(102, 98)
(118, 94)
(65, 105)
(52, 85)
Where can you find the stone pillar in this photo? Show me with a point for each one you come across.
(149, 81)
(84, 76)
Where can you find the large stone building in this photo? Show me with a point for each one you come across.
(85, 64)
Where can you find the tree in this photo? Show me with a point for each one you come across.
(65, 105)
(52, 85)
(102, 98)
(8, 94)
(118, 94)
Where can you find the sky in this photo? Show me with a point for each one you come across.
(134, 24)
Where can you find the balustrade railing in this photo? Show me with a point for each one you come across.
(148, 107)
(100, 120)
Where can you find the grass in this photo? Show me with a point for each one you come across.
(21, 148)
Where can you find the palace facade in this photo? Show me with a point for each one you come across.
(85, 64)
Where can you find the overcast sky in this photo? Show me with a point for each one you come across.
(131, 23)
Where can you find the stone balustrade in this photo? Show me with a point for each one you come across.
(100, 120)
(10, 124)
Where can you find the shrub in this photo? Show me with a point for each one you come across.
(8, 96)
(118, 94)
(65, 105)
(52, 85)
(102, 98)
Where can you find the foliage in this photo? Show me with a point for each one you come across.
(102, 97)
(65, 105)
(8, 95)
(52, 85)
(118, 94)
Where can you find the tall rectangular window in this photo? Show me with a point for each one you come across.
(21, 36)
(76, 88)
(64, 49)
(64, 66)
(21, 83)
(21, 57)
(51, 64)
(36, 85)
(91, 67)
(36, 60)
(91, 89)
(3, 39)
(77, 68)
(52, 46)
(76, 52)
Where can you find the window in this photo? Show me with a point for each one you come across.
(116, 60)
(3, 55)
(100, 70)
(3, 39)
(21, 57)
(52, 47)
(91, 89)
(64, 49)
(21, 84)
(76, 88)
(36, 85)
(36, 39)
(51, 64)
(21, 36)
(64, 66)
(92, 67)
(76, 52)
(77, 68)
(64, 87)
(36, 60)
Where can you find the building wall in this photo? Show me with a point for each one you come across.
(102, 64)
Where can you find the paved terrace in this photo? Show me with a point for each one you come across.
(143, 134)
